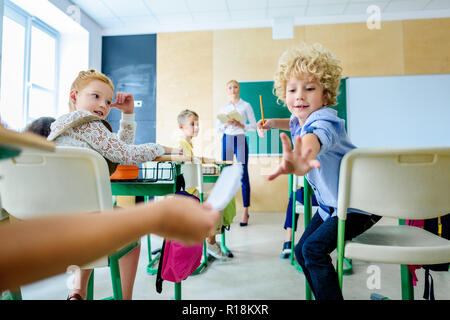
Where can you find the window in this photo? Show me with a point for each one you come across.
(29, 68)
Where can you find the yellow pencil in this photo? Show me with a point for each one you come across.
(262, 111)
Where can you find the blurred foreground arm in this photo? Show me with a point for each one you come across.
(39, 248)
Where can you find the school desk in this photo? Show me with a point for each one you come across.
(153, 186)
(161, 186)
(156, 185)
(12, 143)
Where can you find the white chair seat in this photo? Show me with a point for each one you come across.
(398, 245)
(71, 179)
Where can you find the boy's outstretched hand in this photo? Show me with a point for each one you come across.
(298, 161)
(124, 102)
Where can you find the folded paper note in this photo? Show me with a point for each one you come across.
(226, 186)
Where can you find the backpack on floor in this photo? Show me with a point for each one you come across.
(177, 261)
(441, 227)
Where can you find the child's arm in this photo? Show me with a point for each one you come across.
(111, 147)
(46, 246)
(125, 103)
(282, 124)
(301, 159)
(170, 150)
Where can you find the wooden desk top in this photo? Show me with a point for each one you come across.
(174, 158)
(224, 162)
(183, 158)
(206, 160)
(24, 139)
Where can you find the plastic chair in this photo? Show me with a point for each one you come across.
(405, 183)
(71, 179)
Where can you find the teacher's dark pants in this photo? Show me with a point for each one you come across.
(237, 145)
(298, 197)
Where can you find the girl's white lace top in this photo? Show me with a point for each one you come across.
(118, 148)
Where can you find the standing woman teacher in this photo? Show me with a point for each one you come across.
(234, 141)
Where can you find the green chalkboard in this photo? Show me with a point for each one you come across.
(271, 143)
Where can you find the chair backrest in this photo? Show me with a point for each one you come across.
(160, 170)
(192, 173)
(71, 179)
(404, 183)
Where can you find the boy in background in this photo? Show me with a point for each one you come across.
(188, 124)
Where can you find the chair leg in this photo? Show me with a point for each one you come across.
(90, 287)
(292, 195)
(340, 251)
(407, 287)
(307, 207)
(223, 246)
(151, 261)
(178, 290)
(348, 267)
(13, 294)
(115, 278)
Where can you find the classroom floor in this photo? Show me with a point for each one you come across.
(255, 273)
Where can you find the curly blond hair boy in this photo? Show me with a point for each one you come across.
(307, 81)
(314, 60)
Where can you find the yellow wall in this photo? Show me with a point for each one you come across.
(184, 80)
(193, 67)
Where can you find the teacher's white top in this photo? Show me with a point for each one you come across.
(245, 110)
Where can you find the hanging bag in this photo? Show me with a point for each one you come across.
(441, 227)
(177, 261)
(229, 213)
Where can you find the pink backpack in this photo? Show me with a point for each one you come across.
(413, 268)
(180, 261)
(177, 261)
(441, 227)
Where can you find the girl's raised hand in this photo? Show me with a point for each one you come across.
(295, 160)
(124, 102)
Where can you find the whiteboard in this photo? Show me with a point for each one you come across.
(399, 111)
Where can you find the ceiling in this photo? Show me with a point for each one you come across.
(155, 16)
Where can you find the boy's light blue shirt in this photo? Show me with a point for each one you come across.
(330, 129)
